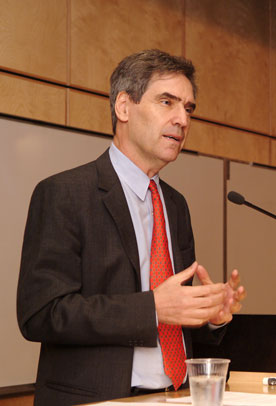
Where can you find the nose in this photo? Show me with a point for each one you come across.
(180, 116)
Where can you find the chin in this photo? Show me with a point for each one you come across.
(171, 157)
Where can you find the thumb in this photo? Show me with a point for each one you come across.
(203, 275)
(187, 274)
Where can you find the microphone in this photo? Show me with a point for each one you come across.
(236, 198)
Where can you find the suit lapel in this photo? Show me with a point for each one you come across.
(172, 216)
(115, 202)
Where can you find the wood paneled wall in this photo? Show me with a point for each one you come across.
(103, 32)
(231, 53)
(56, 57)
(33, 38)
(233, 46)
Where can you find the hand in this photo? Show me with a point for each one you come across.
(190, 306)
(234, 295)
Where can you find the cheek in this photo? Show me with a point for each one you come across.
(187, 129)
(146, 125)
(140, 121)
(149, 126)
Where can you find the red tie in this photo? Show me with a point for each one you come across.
(170, 336)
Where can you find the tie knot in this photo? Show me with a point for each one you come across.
(153, 187)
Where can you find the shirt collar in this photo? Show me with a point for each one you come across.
(129, 173)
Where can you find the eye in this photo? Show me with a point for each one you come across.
(189, 110)
(166, 102)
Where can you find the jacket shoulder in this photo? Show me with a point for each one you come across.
(173, 193)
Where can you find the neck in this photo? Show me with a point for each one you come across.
(149, 168)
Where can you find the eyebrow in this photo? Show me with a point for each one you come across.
(176, 98)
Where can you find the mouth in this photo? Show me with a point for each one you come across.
(173, 137)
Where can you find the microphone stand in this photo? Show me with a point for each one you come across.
(259, 209)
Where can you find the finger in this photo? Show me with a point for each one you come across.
(206, 302)
(187, 274)
(222, 318)
(235, 304)
(216, 313)
(234, 279)
(236, 307)
(240, 294)
(204, 315)
(192, 322)
(203, 275)
(204, 290)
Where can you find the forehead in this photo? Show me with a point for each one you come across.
(174, 83)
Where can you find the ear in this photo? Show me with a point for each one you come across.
(121, 106)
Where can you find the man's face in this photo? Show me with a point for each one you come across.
(158, 125)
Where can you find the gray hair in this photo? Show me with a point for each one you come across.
(134, 73)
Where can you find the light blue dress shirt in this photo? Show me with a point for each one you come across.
(148, 370)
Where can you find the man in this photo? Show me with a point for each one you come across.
(88, 287)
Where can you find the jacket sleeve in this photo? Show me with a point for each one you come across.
(51, 306)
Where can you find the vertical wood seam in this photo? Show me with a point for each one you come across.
(270, 78)
(226, 177)
(68, 61)
(183, 19)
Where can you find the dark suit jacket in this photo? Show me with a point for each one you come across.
(79, 291)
